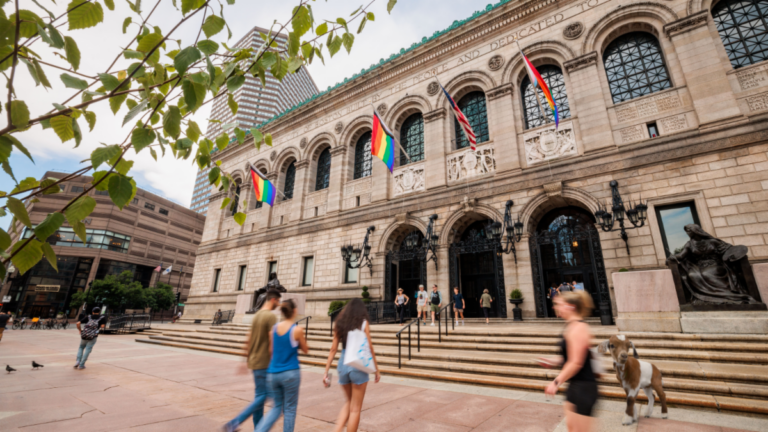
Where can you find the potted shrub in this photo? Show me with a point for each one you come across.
(366, 295)
(515, 298)
(336, 307)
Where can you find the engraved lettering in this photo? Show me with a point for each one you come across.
(756, 77)
(758, 102)
(633, 133)
(672, 124)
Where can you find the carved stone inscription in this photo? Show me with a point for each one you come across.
(357, 188)
(409, 179)
(673, 124)
(758, 102)
(648, 107)
(468, 164)
(547, 143)
(634, 133)
(754, 77)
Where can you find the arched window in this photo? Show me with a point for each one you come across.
(363, 156)
(743, 27)
(412, 139)
(473, 107)
(635, 67)
(290, 179)
(236, 199)
(553, 76)
(323, 170)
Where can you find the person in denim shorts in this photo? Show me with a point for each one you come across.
(352, 381)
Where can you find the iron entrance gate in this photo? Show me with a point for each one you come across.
(475, 243)
(416, 260)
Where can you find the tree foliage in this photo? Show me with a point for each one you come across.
(122, 292)
(165, 81)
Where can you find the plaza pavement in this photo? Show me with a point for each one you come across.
(141, 387)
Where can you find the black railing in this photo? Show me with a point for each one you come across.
(449, 306)
(163, 316)
(332, 314)
(383, 312)
(123, 324)
(418, 340)
(224, 317)
(306, 329)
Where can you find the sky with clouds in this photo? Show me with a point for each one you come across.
(409, 22)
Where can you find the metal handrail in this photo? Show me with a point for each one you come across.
(439, 319)
(418, 338)
(306, 331)
(331, 314)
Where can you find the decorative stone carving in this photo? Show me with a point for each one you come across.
(648, 106)
(300, 164)
(581, 62)
(496, 62)
(502, 90)
(753, 77)
(338, 150)
(468, 164)
(409, 179)
(758, 102)
(548, 143)
(382, 109)
(338, 128)
(303, 142)
(432, 88)
(468, 204)
(434, 115)
(688, 23)
(573, 30)
(273, 155)
(554, 189)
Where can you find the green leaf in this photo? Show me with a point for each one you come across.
(193, 131)
(142, 137)
(194, 94)
(183, 144)
(293, 44)
(233, 106)
(101, 185)
(148, 42)
(240, 135)
(126, 23)
(371, 16)
(31, 69)
(5, 240)
(301, 22)
(189, 5)
(19, 113)
(342, 22)
(214, 174)
(16, 143)
(390, 5)
(110, 82)
(26, 257)
(213, 25)
(334, 46)
(222, 141)
(227, 200)
(79, 228)
(172, 122)
(235, 82)
(6, 147)
(50, 255)
(319, 53)
(362, 24)
(72, 52)
(41, 74)
(62, 125)
(29, 21)
(80, 209)
(123, 166)
(131, 54)
(294, 64)
(133, 112)
(58, 41)
(49, 226)
(240, 218)
(308, 51)
(115, 102)
(279, 69)
(104, 154)
(208, 47)
(348, 39)
(72, 82)
(120, 190)
(110, 4)
(90, 117)
(321, 29)
(185, 58)
(49, 186)
(82, 15)
(77, 132)
(268, 139)
(19, 211)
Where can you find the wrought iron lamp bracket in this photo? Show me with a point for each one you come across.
(636, 215)
(356, 258)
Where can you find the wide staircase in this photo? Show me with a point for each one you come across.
(723, 372)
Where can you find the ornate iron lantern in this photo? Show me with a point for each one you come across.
(356, 257)
(636, 214)
(429, 245)
(512, 231)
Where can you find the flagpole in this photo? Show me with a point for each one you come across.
(466, 177)
(394, 137)
(260, 174)
(533, 80)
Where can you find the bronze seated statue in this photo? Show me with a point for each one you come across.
(261, 294)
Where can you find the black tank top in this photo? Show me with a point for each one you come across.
(585, 373)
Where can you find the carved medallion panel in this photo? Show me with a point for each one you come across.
(468, 164)
(409, 179)
(548, 143)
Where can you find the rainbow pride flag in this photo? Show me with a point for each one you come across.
(537, 80)
(383, 142)
(265, 191)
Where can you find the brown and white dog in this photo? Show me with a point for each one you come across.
(634, 374)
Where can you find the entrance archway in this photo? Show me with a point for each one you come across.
(405, 268)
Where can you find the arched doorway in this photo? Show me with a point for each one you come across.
(475, 267)
(406, 268)
(566, 248)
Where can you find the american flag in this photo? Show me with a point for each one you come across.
(462, 121)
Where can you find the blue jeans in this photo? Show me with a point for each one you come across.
(284, 391)
(348, 374)
(256, 408)
(87, 346)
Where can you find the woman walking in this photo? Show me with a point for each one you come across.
(283, 375)
(400, 302)
(354, 382)
(485, 303)
(581, 395)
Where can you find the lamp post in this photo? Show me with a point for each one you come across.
(429, 244)
(513, 232)
(618, 213)
(356, 257)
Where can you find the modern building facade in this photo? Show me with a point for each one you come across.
(149, 232)
(256, 104)
(668, 101)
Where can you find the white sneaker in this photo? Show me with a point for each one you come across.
(432, 325)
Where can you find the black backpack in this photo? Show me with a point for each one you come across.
(90, 329)
(435, 298)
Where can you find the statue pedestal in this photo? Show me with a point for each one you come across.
(244, 302)
(646, 301)
(741, 322)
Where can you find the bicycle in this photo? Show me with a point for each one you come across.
(62, 325)
(35, 324)
(19, 324)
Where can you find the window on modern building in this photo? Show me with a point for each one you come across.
(216, 279)
(553, 76)
(672, 219)
(98, 192)
(743, 28)
(412, 138)
(149, 206)
(241, 278)
(308, 271)
(474, 108)
(76, 189)
(351, 274)
(635, 66)
(363, 156)
(290, 179)
(94, 239)
(163, 211)
(323, 170)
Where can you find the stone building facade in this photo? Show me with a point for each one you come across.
(659, 96)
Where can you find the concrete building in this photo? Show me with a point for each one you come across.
(668, 99)
(150, 231)
(256, 104)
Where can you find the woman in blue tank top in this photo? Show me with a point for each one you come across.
(283, 375)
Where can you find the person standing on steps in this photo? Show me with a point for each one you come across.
(257, 351)
(458, 305)
(485, 303)
(400, 302)
(88, 335)
(354, 382)
(283, 374)
(421, 304)
(435, 302)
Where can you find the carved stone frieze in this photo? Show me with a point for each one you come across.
(502, 90)
(496, 62)
(434, 115)
(688, 23)
(573, 30)
(273, 155)
(468, 164)
(303, 142)
(468, 204)
(338, 128)
(382, 108)
(554, 189)
(432, 88)
(338, 150)
(302, 164)
(581, 62)
(409, 179)
(549, 143)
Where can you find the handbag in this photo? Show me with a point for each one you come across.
(357, 354)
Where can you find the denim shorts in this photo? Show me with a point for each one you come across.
(348, 374)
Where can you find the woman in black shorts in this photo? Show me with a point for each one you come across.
(581, 395)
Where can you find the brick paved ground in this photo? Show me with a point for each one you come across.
(140, 387)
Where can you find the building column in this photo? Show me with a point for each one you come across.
(215, 217)
(299, 190)
(338, 157)
(435, 149)
(587, 94)
(441, 276)
(381, 179)
(501, 126)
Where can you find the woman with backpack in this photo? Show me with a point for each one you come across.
(354, 316)
(89, 331)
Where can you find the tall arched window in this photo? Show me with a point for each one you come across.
(236, 199)
(473, 107)
(323, 170)
(363, 156)
(743, 27)
(553, 76)
(635, 66)
(290, 179)
(412, 139)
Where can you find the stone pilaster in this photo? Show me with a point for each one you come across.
(502, 127)
(435, 144)
(338, 158)
(299, 190)
(214, 218)
(380, 179)
(588, 95)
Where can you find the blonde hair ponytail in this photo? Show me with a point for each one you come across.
(580, 300)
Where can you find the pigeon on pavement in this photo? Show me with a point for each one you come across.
(9, 368)
(35, 365)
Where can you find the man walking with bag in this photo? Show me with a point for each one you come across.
(88, 334)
